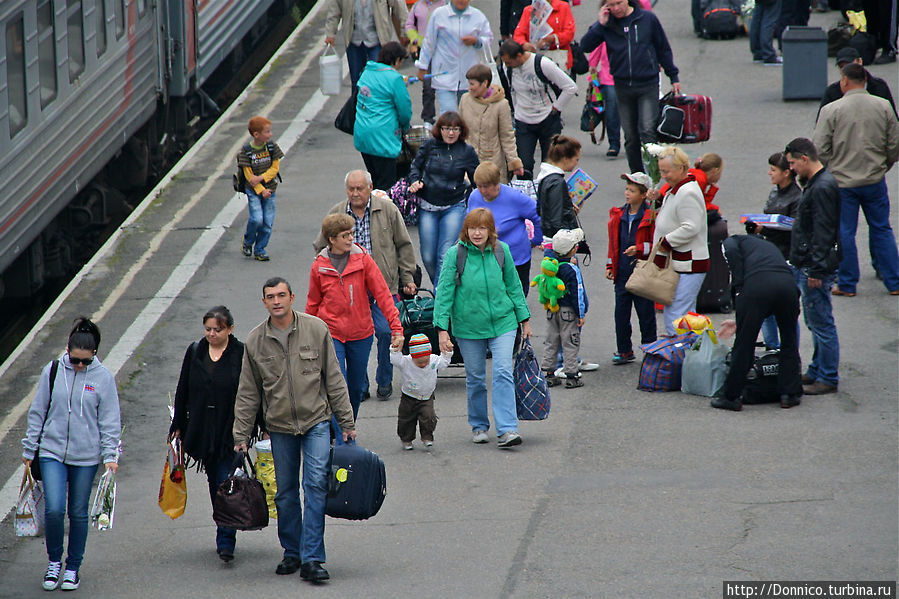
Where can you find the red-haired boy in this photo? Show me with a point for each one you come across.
(259, 160)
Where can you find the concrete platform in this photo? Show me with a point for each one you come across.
(620, 493)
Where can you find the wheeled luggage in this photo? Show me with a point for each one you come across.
(357, 483)
(714, 295)
(685, 119)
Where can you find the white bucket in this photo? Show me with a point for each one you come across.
(330, 74)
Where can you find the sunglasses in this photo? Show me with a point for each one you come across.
(77, 361)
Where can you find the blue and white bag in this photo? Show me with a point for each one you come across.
(531, 392)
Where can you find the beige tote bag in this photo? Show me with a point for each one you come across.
(652, 282)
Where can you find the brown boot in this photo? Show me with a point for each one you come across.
(819, 388)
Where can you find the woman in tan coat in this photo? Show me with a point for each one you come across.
(486, 112)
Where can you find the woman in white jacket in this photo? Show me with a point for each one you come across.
(682, 231)
(456, 39)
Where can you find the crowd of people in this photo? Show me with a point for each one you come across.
(477, 236)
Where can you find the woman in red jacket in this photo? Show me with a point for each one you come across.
(562, 22)
(342, 277)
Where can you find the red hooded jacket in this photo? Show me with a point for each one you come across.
(708, 191)
(643, 238)
(341, 300)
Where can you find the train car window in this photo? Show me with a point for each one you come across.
(46, 50)
(75, 20)
(141, 7)
(100, 10)
(118, 7)
(15, 75)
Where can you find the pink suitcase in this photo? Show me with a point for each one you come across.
(685, 119)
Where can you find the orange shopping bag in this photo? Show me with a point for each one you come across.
(173, 487)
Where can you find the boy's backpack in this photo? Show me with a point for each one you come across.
(594, 113)
(663, 361)
(238, 180)
(406, 201)
(462, 257)
(505, 77)
(719, 19)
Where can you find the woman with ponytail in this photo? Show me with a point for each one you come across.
(554, 204)
(75, 428)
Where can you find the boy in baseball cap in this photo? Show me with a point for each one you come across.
(419, 371)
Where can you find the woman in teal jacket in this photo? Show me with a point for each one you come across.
(485, 305)
(383, 111)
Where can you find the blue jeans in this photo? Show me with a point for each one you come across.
(818, 312)
(761, 31)
(79, 480)
(646, 315)
(259, 226)
(353, 359)
(448, 99)
(216, 473)
(383, 334)
(684, 299)
(474, 352)
(875, 203)
(639, 110)
(356, 57)
(613, 117)
(302, 536)
(437, 232)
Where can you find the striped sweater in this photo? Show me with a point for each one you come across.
(682, 229)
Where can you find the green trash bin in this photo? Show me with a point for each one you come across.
(804, 63)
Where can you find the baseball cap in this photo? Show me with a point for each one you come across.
(639, 178)
(847, 55)
(566, 239)
(419, 346)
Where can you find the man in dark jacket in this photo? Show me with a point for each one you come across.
(762, 284)
(637, 45)
(815, 251)
(875, 85)
(509, 16)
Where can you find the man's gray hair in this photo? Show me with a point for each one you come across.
(359, 170)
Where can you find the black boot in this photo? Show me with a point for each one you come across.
(722, 403)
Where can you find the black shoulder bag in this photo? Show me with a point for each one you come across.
(35, 462)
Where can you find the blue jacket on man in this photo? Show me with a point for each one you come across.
(636, 45)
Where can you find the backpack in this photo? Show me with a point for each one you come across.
(238, 180)
(594, 113)
(505, 77)
(462, 257)
(719, 19)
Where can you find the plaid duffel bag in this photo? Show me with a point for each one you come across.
(662, 362)
(531, 392)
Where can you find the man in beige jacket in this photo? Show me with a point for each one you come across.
(290, 367)
(367, 25)
(858, 139)
(380, 230)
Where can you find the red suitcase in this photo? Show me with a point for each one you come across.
(684, 119)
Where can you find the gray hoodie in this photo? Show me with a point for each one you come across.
(83, 425)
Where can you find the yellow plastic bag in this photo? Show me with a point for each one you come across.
(698, 323)
(857, 20)
(265, 473)
(173, 487)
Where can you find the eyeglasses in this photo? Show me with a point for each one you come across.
(77, 361)
(451, 129)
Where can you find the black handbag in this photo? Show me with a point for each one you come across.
(240, 500)
(346, 118)
(36, 460)
(579, 62)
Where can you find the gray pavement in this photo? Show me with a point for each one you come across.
(620, 493)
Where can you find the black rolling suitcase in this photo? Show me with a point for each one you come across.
(357, 483)
(714, 295)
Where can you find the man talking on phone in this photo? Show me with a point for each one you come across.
(637, 45)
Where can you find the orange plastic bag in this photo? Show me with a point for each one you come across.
(173, 487)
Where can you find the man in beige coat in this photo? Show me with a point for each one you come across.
(381, 231)
(489, 118)
(367, 25)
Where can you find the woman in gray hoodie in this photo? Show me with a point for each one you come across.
(74, 422)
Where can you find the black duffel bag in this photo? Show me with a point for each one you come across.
(240, 500)
(761, 380)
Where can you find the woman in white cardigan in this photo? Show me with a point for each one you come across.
(682, 231)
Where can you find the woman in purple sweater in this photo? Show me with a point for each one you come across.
(510, 208)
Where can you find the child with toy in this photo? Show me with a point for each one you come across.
(630, 237)
(565, 309)
(419, 371)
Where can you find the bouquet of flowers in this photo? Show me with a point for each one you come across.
(651, 154)
(103, 507)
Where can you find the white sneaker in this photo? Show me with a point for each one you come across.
(588, 366)
(407, 446)
(70, 580)
(429, 444)
(479, 437)
(51, 578)
(509, 439)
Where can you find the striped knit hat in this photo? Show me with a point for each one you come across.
(419, 346)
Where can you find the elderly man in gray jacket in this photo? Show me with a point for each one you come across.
(381, 231)
(367, 25)
(858, 139)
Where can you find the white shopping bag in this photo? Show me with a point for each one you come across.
(330, 73)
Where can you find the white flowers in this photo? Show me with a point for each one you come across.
(654, 150)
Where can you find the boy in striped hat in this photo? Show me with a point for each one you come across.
(419, 370)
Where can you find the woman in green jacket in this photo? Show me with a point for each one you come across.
(485, 305)
(383, 111)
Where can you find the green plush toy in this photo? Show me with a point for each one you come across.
(550, 286)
